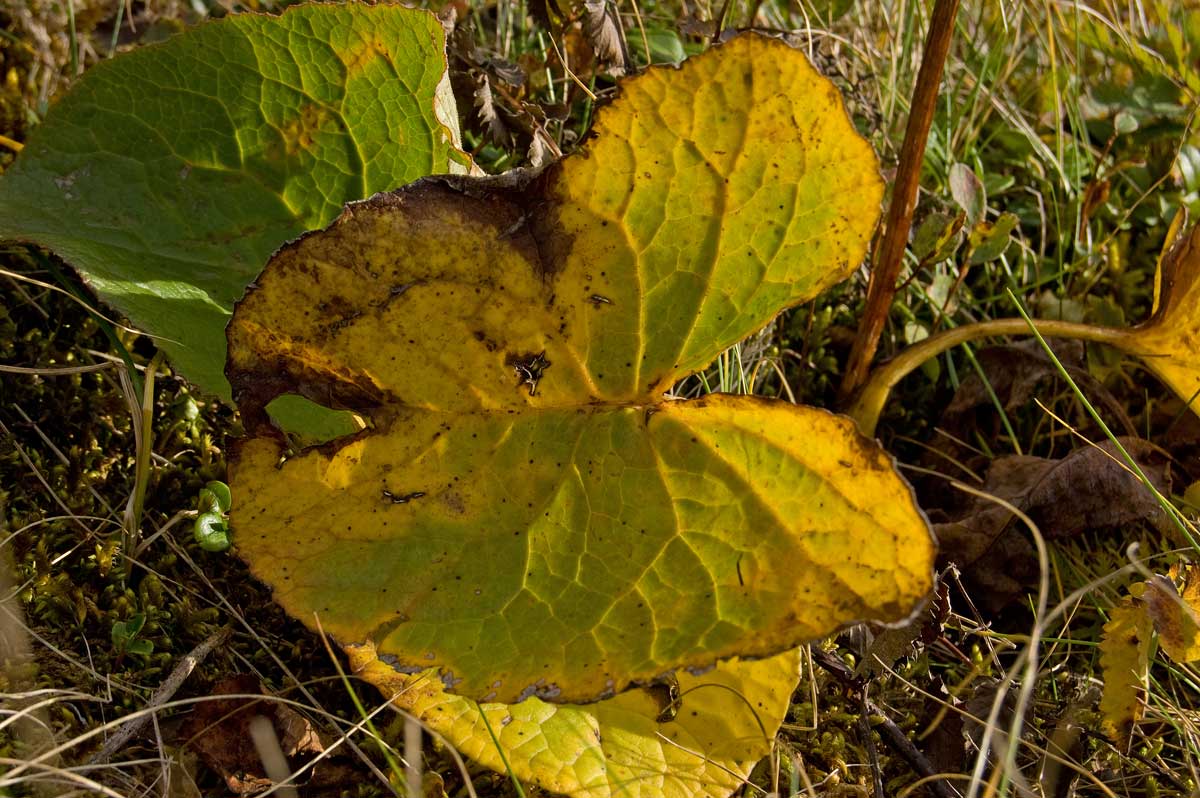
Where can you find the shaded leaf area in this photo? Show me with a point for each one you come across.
(1016, 375)
(1090, 489)
(169, 175)
(527, 513)
(701, 742)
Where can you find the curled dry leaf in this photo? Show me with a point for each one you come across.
(489, 116)
(886, 646)
(1176, 614)
(603, 31)
(219, 731)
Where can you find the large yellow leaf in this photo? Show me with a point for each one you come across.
(527, 513)
(636, 745)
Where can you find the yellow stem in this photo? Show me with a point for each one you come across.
(869, 404)
(12, 144)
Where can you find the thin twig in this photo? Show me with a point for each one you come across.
(889, 257)
(162, 695)
(868, 741)
(53, 372)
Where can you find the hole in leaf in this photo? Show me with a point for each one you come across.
(309, 423)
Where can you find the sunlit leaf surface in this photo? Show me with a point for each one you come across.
(636, 745)
(527, 513)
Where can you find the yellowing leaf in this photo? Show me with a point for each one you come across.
(527, 513)
(724, 721)
(1175, 616)
(1125, 660)
(569, 552)
(1169, 343)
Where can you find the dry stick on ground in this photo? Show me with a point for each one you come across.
(889, 732)
(162, 695)
(864, 731)
(889, 256)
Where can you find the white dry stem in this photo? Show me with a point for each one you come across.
(412, 757)
(1029, 655)
(274, 761)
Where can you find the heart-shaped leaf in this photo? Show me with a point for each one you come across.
(698, 740)
(527, 513)
(169, 175)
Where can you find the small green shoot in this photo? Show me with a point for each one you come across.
(211, 527)
(125, 637)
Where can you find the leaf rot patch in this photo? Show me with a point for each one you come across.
(567, 529)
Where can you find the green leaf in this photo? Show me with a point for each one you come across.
(526, 511)
(968, 192)
(221, 496)
(211, 532)
(141, 648)
(665, 47)
(989, 240)
(135, 624)
(167, 176)
(124, 632)
(937, 237)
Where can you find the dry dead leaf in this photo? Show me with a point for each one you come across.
(1020, 372)
(1089, 489)
(603, 32)
(1175, 616)
(219, 732)
(887, 645)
